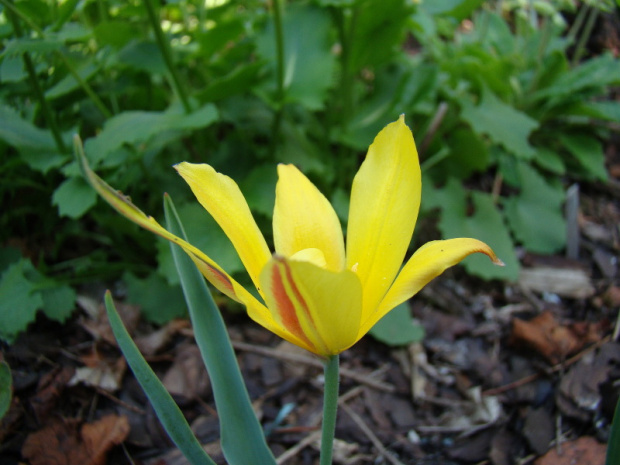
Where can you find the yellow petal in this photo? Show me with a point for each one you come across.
(223, 199)
(304, 219)
(385, 200)
(429, 261)
(211, 270)
(319, 307)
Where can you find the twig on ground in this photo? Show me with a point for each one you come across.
(370, 435)
(295, 358)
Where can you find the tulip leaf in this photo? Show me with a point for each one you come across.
(237, 418)
(613, 444)
(398, 328)
(166, 409)
(6, 388)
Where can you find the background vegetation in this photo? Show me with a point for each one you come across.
(507, 105)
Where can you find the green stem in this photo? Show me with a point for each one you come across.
(36, 86)
(330, 409)
(280, 92)
(585, 35)
(85, 86)
(166, 52)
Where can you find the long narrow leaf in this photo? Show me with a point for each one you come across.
(166, 409)
(242, 438)
(613, 444)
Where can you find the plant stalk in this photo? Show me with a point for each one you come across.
(280, 91)
(36, 86)
(330, 408)
(166, 52)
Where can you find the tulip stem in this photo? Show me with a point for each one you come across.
(330, 408)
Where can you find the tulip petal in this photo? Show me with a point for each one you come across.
(211, 270)
(223, 199)
(322, 308)
(304, 219)
(428, 262)
(385, 199)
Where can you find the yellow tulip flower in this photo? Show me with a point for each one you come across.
(318, 292)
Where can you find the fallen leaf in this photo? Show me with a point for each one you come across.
(65, 442)
(49, 390)
(583, 451)
(187, 377)
(565, 282)
(553, 340)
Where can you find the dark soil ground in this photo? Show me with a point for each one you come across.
(508, 374)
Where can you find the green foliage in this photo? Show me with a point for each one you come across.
(397, 328)
(147, 89)
(25, 291)
(6, 388)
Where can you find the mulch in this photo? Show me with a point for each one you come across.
(508, 373)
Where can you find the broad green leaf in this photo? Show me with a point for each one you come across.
(20, 133)
(166, 409)
(397, 328)
(237, 418)
(58, 300)
(20, 300)
(468, 153)
(6, 388)
(69, 83)
(501, 123)
(535, 215)
(74, 197)
(378, 32)
(143, 56)
(239, 80)
(485, 223)
(159, 302)
(309, 64)
(12, 69)
(588, 151)
(138, 127)
(606, 110)
(116, 34)
(22, 45)
(550, 160)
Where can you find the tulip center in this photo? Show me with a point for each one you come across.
(312, 255)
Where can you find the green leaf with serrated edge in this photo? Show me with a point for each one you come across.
(138, 127)
(74, 197)
(203, 232)
(550, 160)
(159, 302)
(486, 223)
(397, 328)
(588, 151)
(613, 444)
(501, 123)
(6, 388)
(237, 418)
(20, 300)
(309, 64)
(58, 301)
(166, 409)
(535, 215)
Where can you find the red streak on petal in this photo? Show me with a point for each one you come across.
(286, 308)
